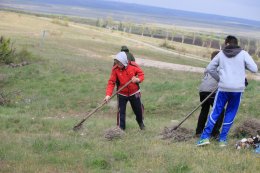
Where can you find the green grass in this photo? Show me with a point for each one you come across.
(68, 80)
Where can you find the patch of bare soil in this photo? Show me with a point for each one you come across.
(248, 128)
(178, 135)
(170, 66)
(114, 133)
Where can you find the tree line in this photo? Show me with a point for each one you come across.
(174, 34)
(210, 40)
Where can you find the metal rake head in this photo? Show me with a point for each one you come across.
(77, 127)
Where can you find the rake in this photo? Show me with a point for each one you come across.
(79, 125)
(188, 115)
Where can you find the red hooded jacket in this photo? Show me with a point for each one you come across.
(123, 76)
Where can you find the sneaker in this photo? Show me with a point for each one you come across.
(222, 143)
(202, 142)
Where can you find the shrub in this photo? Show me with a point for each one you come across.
(60, 22)
(6, 50)
(8, 53)
(167, 45)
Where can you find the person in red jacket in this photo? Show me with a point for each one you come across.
(124, 71)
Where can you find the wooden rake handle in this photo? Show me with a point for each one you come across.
(100, 106)
(188, 115)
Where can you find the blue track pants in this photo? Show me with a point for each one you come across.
(232, 100)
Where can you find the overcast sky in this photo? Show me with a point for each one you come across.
(248, 9)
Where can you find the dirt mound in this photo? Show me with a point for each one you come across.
(250, 127)
(114, 133)
(178, 135)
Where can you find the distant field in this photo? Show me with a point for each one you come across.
(127, 12)
(68, 80)
(180, 27)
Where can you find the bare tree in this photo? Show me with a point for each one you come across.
(248, 44)
(166, 34)
(173, 34)
(99, 22)
(210, 39)
(152, 30)
(182, 36)
(109, 22)
(143, 28)
(121, 26)
(220, 41)
(129, 26)
(204, 40)
(257, 50)
(193, 38)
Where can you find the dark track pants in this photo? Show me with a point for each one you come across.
(137, 107)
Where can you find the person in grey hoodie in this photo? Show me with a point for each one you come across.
(208, 85)
(232, 62)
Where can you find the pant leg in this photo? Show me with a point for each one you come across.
(137, 106)
(219, 104)
(122, 101)
(217, 127)
(231, 111)
(203, 112)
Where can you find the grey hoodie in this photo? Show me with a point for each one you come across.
(231, 51)
(232, 63)
(209, 83)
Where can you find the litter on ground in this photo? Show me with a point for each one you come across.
(252, 142)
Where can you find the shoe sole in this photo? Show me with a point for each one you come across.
(205, 143)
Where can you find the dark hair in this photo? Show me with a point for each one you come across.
(232, 40)
(213, 54)
(124, 49)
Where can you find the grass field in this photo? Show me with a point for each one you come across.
(68, 79)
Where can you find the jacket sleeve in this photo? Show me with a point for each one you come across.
(250, 64)
(111, 83)
(140, 73)
(212, 67)
(214, 74)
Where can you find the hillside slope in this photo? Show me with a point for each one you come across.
(68, 79)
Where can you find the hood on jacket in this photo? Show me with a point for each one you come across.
(231, 51)
(122, 57)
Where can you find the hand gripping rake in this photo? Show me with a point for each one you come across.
(79, 125)
(188, 115)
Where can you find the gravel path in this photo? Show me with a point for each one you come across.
(166, 65)
(178, 67)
